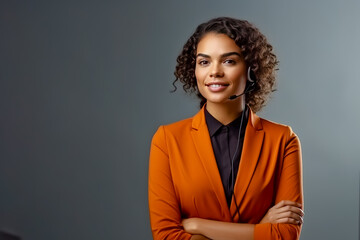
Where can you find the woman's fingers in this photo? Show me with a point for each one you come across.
(288, 217)
(287, 203)
(284, 212)
(293, 209)
(288, 220)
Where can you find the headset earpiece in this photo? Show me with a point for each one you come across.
(251, 76)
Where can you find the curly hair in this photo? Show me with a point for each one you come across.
(258, 55)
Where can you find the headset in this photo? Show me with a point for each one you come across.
(250, 86)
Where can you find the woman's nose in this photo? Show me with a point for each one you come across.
(216, 71)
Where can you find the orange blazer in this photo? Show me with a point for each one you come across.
(184, 180)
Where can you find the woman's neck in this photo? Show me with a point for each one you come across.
(226, 113)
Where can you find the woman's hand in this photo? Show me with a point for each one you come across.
(191, 226)
(284, 212)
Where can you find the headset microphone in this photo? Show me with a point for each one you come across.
(248, 88)
(236, 96)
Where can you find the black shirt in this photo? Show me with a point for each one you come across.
(224, 139)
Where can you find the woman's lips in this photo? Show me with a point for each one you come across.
(217, 87)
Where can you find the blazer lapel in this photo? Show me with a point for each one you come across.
(253, 141)
(201, 138)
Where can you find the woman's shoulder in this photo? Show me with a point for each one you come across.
(277, 129)
(177, 128)
(269, 124)
(179, 125)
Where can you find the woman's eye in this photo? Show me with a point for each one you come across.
(229, 61)
(203, 62)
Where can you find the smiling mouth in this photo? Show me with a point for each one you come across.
(216, 87)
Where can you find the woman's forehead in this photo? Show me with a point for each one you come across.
(216, 44)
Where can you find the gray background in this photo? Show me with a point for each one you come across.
(85, 84)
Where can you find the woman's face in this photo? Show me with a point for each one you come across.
(220, 68)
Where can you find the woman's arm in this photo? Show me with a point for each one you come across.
(284, 212)
(218, 230)
(282, 221)
(288, 187)
(165, 215)
(198, 237)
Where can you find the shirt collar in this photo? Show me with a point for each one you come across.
(214, 125)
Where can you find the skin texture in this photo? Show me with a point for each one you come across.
(219, 60)
(284, 212)
(220, 230)
(198, 237)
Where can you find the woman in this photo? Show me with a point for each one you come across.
(226, 173)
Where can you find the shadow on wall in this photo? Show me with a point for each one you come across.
(8, 236)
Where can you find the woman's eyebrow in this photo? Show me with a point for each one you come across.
(202, 55)
(222, 55)
(230, 53)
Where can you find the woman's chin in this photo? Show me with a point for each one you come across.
(223, 100)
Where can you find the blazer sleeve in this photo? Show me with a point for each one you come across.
(289, 187)
(165, 214)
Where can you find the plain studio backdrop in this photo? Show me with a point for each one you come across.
(85, 84)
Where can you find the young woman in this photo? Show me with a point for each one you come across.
(225, 173)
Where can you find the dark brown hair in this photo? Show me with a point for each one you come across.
(257, 52)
